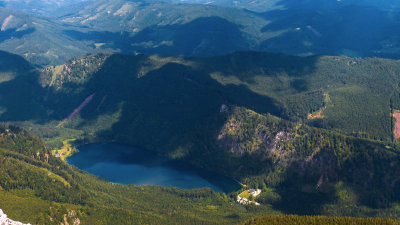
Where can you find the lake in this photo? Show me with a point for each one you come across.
(125, 164)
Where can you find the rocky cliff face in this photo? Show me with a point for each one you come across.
(320, 158)
(4, 220)
(246, 132)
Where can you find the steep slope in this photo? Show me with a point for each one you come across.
(310, 166)
(267, 5)
(40, 7)
(37, 39)
(256, 6)
(186, 108)
(353, 96)
(37, 188)
(348, 30)
(127, 26)
(352, 28)
(174, 105)
(40, 189)
(5, 220)
(294, 220)
(154, 27)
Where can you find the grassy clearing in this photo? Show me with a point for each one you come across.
(66, 150)
(245, 194)
(318, 114)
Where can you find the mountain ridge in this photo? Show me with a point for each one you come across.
(298, 101)
(249, 141)
(150, 27)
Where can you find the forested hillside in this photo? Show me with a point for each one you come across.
(267, 5)
(40, 189)
(294, 220)
(310, 170)
(333, 147)
(39, 7)
(61, 30)
(37, 188)
(308, 27)
(351, 96)
(38, 39)
(297, 103)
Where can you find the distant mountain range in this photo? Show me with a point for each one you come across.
(38, 39)
(149, 27)
(47, 7)
(187, 29)
(38, 7)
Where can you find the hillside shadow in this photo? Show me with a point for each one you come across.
(21, 95)
(289, 73)
(366, 177)
(299, 192)
(295, 201)
(175, 95)
(111, 40)
(356, 31)
(203, 36)
(174, 110)
(174, 92)
(117, 81)
(327, 4)
(308, 4)
(14, 33)
(172, 106)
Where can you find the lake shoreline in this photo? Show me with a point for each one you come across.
(127, 164)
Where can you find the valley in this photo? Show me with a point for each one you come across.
(65, 151)
(200, 112)
(51, 37)
(128, 165)
(244, 120)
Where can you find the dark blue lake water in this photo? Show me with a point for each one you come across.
(129, 165)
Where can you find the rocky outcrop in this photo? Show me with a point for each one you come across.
(246, 132)
(4, 220)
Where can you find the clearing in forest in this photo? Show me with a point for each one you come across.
(396, 115)
(66, 150)
(318, 114)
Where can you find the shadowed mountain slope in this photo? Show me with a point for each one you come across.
(149, 27)
(220, 113)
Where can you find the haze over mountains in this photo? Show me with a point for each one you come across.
(266, 5)
(45, 7)
(357, 29)
(39, 7)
